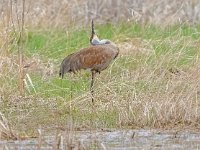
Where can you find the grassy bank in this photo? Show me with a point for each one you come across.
(153, 83)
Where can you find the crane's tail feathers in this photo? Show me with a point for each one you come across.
(61, 72)
(65, 66)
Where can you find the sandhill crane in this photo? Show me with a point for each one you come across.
(96, 58)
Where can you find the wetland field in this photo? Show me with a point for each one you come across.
(148, 98)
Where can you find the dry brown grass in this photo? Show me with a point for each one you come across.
(132, 93)
(5, 129)
(166, 99)
(75, 13)
(142, 88)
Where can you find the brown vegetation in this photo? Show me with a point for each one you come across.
(140, 89)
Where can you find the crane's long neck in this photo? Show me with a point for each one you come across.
(93, 39)
(93, 32)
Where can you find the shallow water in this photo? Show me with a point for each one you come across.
(115, 140)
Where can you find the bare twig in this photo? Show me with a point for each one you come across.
(20, 48)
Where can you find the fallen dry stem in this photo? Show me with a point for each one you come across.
(5, 129)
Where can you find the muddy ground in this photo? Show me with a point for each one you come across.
(110, 140)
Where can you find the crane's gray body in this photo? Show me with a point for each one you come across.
(95, 58)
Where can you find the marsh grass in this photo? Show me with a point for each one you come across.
(154, 83)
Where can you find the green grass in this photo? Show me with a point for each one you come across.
(138, 80)
(56, 44)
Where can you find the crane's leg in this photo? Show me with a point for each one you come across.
(91, 85)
